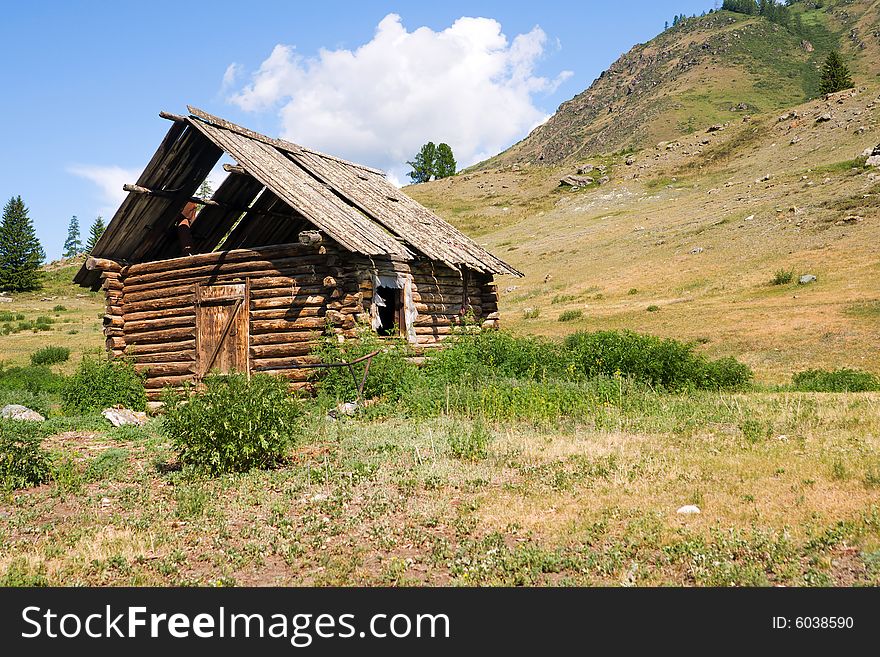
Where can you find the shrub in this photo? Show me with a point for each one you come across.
(647, 358)
(782, 277)
(469, 443)
(34, 379)
(470, 357)
(652, 308)
(842, 380)
(531, 313)
(570, 315)
(234, 425)
(100, 383)
(59, 308)
(50, 355)
(632, 291)
(23, 461)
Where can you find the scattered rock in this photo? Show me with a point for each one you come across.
(630, 161)
(19, 412)
(851, 219)
(807, 46)
(585, 169)
(548, 278)
(794, 140)
(782, 437)
(765, 178)
(5, 299)
(806, 279)
(511, 288)
(603, 180)
(105, 502)
(715, 128)
(575, 181)
(823, 118)
(119, 417)
(873, 161)
(346, 408)
(787, 116)
(688, 510)
(749, 218)
(861, 130)
(319, 497)
(696, 250)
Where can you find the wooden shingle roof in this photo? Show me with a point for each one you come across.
(277, 187)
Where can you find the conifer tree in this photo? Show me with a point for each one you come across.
(95, 232)
(423, 163)
(835, 75)
(444, 165)
(20, 250)
(73, 244)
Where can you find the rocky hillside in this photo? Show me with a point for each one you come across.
(706, 70)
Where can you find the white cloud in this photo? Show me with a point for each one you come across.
(231, 75)
(109, 180)
(467, 85)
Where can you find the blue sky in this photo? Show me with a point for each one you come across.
(83, 82)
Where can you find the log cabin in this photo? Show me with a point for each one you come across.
(292, 244)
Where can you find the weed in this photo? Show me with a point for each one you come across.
(469, 443)
(782, 277)
(50, 355)
(842, 380)
(570, 315)
(531, 313)
(107, 464)
(100, 383)
(23, 461)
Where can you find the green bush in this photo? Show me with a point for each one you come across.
(653, 308)
(234, 424)
(100, 383)
(23, 461)
(653, 360)
(570, 315)
(34, 379)
(59, 308)
(782, 277)
(842, 380)
(6, 316)
(50, 355)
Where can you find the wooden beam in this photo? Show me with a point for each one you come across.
(234, 168)
(177, 118)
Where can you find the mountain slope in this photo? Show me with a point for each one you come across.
(710, 69)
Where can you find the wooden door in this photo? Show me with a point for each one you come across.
(221, 328)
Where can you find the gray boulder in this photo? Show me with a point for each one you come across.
(121, 416)
(19, 412)
(806, 279)
(575, 181)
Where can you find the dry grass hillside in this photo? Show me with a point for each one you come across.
(684, 240)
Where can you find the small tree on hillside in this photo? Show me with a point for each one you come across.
(73, 244)
(95, 231)
(835, 75)
(20, 250)
(444, 165)
(423, 163)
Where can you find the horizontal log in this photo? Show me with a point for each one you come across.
(169, 381)
(265, 326)
(139, 350)
(288, 313)
(289, 250)
(110, 275)
(434, 330)
(157, 313)
(303, 264)
(234, 168)
(114, 321)
(280, 293)
(281, 350)
(160, 303)
(288, 363)
(111, 284)
(437, 320)
(443, 308)
(115, 343)
(167, 356)
(159, 293)
(102, 264)
(140, 326)
(153, 370)
(286, 337)
(114, 310)
(153, 337)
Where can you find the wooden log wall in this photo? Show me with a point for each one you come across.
(295, 292)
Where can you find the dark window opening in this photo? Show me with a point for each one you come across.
(389, 304)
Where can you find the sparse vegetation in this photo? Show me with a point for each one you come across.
(782, 277)
(23, 461)
(570, 315)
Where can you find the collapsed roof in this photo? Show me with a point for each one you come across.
(276, 190)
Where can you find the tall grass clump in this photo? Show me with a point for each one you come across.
(782, 277)
(842, 380)
(100, 383)
(23, 461)
(50, 355)
(234, 424)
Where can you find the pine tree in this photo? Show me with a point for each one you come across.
(835, 75)
(423, 163)
(73, 245)
(95, 232)
(444, 165)
(20, 250)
